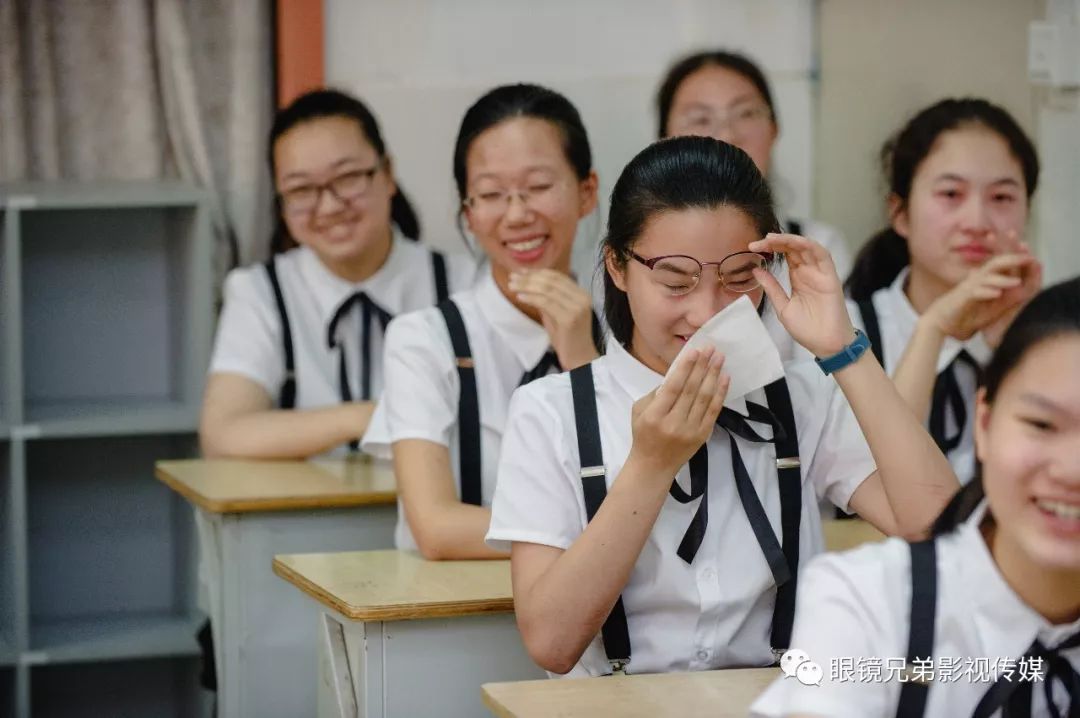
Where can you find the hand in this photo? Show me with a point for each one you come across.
(815, 314)
(565, 312)
(670, 423)
(989, 297)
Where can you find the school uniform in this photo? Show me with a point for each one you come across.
(450, 371)
(889, 321)
(858, 605)
(702, 592)
(312, 339)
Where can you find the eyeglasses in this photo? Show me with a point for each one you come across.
(496, 203)
(680, 274)
(741, 120)
(346, 187)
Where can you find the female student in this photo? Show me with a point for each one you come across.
(524, 173)
(992, 600)
(682, 574)
(297, 363)
(725, 95)
(935, 289)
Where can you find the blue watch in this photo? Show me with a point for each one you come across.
(848, 355)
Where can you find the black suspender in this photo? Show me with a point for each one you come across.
(789, 474)
(287, 393)
(594, 489)
(873, 329)
(615, 632)
(468, 405)
(913, 694)
(438, 268)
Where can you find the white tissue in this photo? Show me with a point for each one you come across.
(750, 355)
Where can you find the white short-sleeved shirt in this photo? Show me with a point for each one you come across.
(422, 391)
(716, 612)
(857, 605)
(896, 321)
(249, 333)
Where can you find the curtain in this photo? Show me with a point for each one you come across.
(144, 90)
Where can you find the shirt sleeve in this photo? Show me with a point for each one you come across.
(420, 386)
(842, 458)
(842, 625)
(537, 499)
(248, 339)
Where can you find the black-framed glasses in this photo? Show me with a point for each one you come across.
(680, 274)
(346, 187)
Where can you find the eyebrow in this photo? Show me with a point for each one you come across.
(696, 106)
(525, 171)
(949, 177)
(304, 175)
(1043, 403)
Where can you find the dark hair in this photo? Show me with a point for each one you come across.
(687, 66)
(509, 101)
(670, 175)
(319, 104)
(886, 253)
(1053, 312)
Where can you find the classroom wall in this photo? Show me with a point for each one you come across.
(882, 61)
(421, 63)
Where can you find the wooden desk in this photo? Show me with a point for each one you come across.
(401, 636)
(844, 534)
(720, 694)
(248, 511)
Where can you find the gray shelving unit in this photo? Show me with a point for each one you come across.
(105, 328)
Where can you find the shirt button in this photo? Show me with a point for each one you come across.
(707, 574)
(703, 655)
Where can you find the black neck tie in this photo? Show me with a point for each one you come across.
(736, 425)
(549, 361)
(1014, 697)
(368, 309)
(947, 395)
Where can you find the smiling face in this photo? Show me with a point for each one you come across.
(723, 104)
(966, 194)
(663, 322)
(1029, 443)
(343, 232)
(524, 199)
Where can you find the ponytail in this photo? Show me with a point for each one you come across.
(877, 264)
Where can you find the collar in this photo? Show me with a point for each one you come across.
(906, 317)
(525, 338)
(999, 610)
(636, 379)
(331, 291)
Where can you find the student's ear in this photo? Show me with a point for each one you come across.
(982, 423)
(617, 272)
(898, 214)
(587, 192)
(388, 168)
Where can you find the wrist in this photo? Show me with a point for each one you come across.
(930, 327)
(833, 345)
(649, 469)
(847, 355)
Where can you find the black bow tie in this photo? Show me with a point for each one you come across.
(947, 394)
(549, 361)
(1015, 696)
(369, 309)
(736, 425)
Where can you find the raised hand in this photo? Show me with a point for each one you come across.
(815, 314)
(988, 298)
(670, 423)
(565, 311)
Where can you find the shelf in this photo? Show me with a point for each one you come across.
(73, 419)
(112, 638)
(8, 656)
(103, 195)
